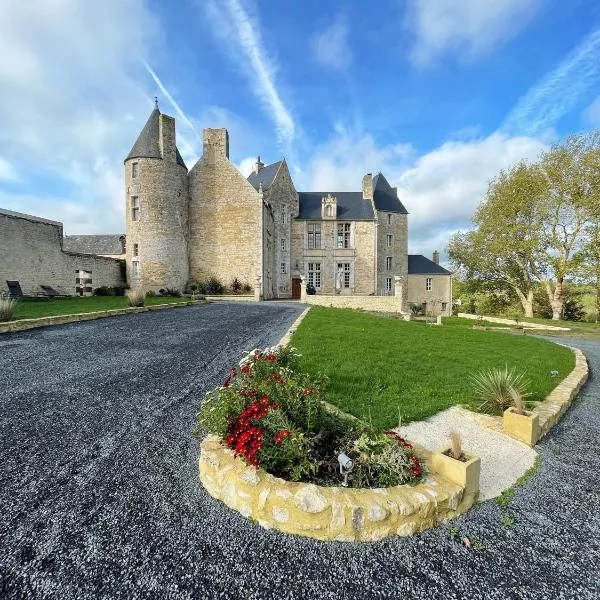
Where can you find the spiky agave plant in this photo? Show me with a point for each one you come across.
(495, 387)
(7, 308)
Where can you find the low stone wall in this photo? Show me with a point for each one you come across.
(327, 513)
(231, 298)
(24, 324)
(558, 401)
(388, 304)
(524, 324)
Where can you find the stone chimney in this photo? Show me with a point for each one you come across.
(436, 257)
(259, 165)
(367, 186)
(166, 138)
(216, 144)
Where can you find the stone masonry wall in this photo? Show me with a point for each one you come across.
(388, 304)
(361, 255)
(441, 291)
(226, 215)
(396, 225)
(161, 231)
(32, 254)
(328, 513)
(284, 200)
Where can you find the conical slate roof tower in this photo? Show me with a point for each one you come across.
(157, 202)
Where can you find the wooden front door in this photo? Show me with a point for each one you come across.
(296, 289)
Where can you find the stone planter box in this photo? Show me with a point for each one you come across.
(464, 474)
(525, 428)
(327, 513)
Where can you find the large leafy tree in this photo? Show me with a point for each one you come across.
(501, 250)
(570, 171)
(534, 224)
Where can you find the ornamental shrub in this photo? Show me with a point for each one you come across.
(136, 297)
(7, 308)
(271, 415)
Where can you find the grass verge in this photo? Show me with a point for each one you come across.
(380, 367)
(34, 308)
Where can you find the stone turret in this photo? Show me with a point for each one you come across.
(156, 210)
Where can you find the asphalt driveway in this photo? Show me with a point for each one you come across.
(100, 497)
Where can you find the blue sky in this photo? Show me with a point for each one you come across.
(437, 94)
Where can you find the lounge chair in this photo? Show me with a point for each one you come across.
(14, 290)
(50, 292)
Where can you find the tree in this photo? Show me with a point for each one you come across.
(501, 250)
(534, 224)
(571, 191)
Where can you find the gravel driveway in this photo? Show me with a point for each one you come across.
(100, 496)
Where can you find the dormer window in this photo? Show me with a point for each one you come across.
(328, 207)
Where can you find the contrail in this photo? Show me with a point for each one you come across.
(238, 22)
(174, 104)
(559, 91)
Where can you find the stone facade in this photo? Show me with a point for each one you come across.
(32, 254)
(282, 199)
(215, 222)
(225, 216)
(156, 216)
(438, 298)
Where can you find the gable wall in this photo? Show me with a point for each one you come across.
(225, 217)
(282, 194)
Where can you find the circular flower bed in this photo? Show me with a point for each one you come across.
(270, 414)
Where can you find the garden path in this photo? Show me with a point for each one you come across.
(503, 460)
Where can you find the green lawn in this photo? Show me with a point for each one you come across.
(32, 308)
(383, 366)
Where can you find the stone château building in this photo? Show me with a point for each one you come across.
(212, 221)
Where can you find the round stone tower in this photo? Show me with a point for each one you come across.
(156, 196)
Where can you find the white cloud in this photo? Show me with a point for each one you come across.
(239, 30)
(592, 113)
(247, 165)
(440, 188)
(468, 28)
(73, 103)
(559, 91)
(330, 47)
(7, 171)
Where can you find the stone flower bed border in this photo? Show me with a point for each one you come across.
(332, 513)
(24, 324)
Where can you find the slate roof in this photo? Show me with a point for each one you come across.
(147, 145)
(93, 244)
(384, 196)
(421, 265)
(265, 176)
(351, 206)
(18, 215)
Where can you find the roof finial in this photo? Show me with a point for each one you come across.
(155, 102)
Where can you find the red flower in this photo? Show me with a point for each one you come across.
(308, 391)
(281, 435)
(271, 357)
(277, 378)
(247, 369)
(230, 376)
